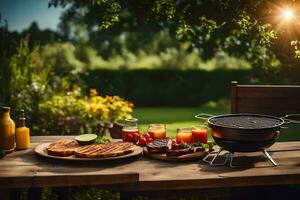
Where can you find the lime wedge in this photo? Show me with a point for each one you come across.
(86, 139)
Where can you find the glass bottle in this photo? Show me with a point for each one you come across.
(7, 131)
(130, 129)
(22, 134)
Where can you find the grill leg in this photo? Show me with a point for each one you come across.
(269, 158)
(211, 163)
(231, 155)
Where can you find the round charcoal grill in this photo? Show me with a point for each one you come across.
(245, 127)
(243, 133)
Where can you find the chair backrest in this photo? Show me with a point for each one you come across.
(277, 100)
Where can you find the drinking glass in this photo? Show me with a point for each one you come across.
(200, 133)
(184, 135)
(157, 131)
(130, 129)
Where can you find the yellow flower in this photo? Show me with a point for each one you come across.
(93, 92)
(93, 107)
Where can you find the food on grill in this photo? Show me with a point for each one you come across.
(63, 147)
(246, 121)
(104, 150)
(86, 139)
(159, 145)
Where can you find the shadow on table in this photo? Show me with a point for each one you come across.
(240, 163)
(73, 166)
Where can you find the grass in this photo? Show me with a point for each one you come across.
(176, 117)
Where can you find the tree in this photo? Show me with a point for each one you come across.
(241, 28)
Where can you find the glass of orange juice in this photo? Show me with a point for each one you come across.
(184, 135)
(199, 133)
(157, 131)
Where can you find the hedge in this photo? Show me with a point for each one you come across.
(165, 87)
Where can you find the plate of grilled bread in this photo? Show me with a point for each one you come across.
(69, 149)
(164, 149)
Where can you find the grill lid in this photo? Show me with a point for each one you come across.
(246, 121)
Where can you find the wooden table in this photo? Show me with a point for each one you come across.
(25, 169)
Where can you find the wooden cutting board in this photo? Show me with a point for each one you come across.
(186, 157)
(42, 151)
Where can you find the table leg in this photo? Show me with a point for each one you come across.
(34, 193)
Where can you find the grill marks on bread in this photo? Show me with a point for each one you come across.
(104, 150)
(68, 147)
(63, 147)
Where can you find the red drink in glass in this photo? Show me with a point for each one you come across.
(199, 134)
(184, 135)
(157, 134)
(157, 131)
(129, 134)
(130, 130)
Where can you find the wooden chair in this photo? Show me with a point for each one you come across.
(276, 100)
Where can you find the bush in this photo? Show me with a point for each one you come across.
(24, 80)
(166, 87)
(73, 114)
(38, 80)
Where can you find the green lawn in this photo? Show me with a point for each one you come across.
(175, 117)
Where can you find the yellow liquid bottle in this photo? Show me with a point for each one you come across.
(22, 134)
(7, 131)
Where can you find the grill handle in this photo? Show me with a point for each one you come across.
(276, 135)
(287, 120)
(203, 116)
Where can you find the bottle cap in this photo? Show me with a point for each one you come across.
(22, 115)
(5, 109)
(22, 118)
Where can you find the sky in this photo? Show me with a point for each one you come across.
(21, 13)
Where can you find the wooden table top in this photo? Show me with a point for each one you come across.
(26, 169)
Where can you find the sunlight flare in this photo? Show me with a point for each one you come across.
(288, 14)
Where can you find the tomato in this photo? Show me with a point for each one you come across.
(149, 140)
(135, 139)
(142, 141)
(151, 134)
(128, 137)
(136, 134)
(147, 135)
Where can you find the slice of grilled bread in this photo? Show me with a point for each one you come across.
(104, 150)
(63, 147)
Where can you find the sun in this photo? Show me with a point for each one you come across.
(288, 14)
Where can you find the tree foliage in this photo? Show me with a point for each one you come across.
(199, 21)
(245, 29)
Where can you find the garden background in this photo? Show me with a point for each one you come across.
(160, 61)
(108, 60)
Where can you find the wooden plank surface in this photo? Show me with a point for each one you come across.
(24, 168)
(268, 91)
(277, 100)
(274, 106)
